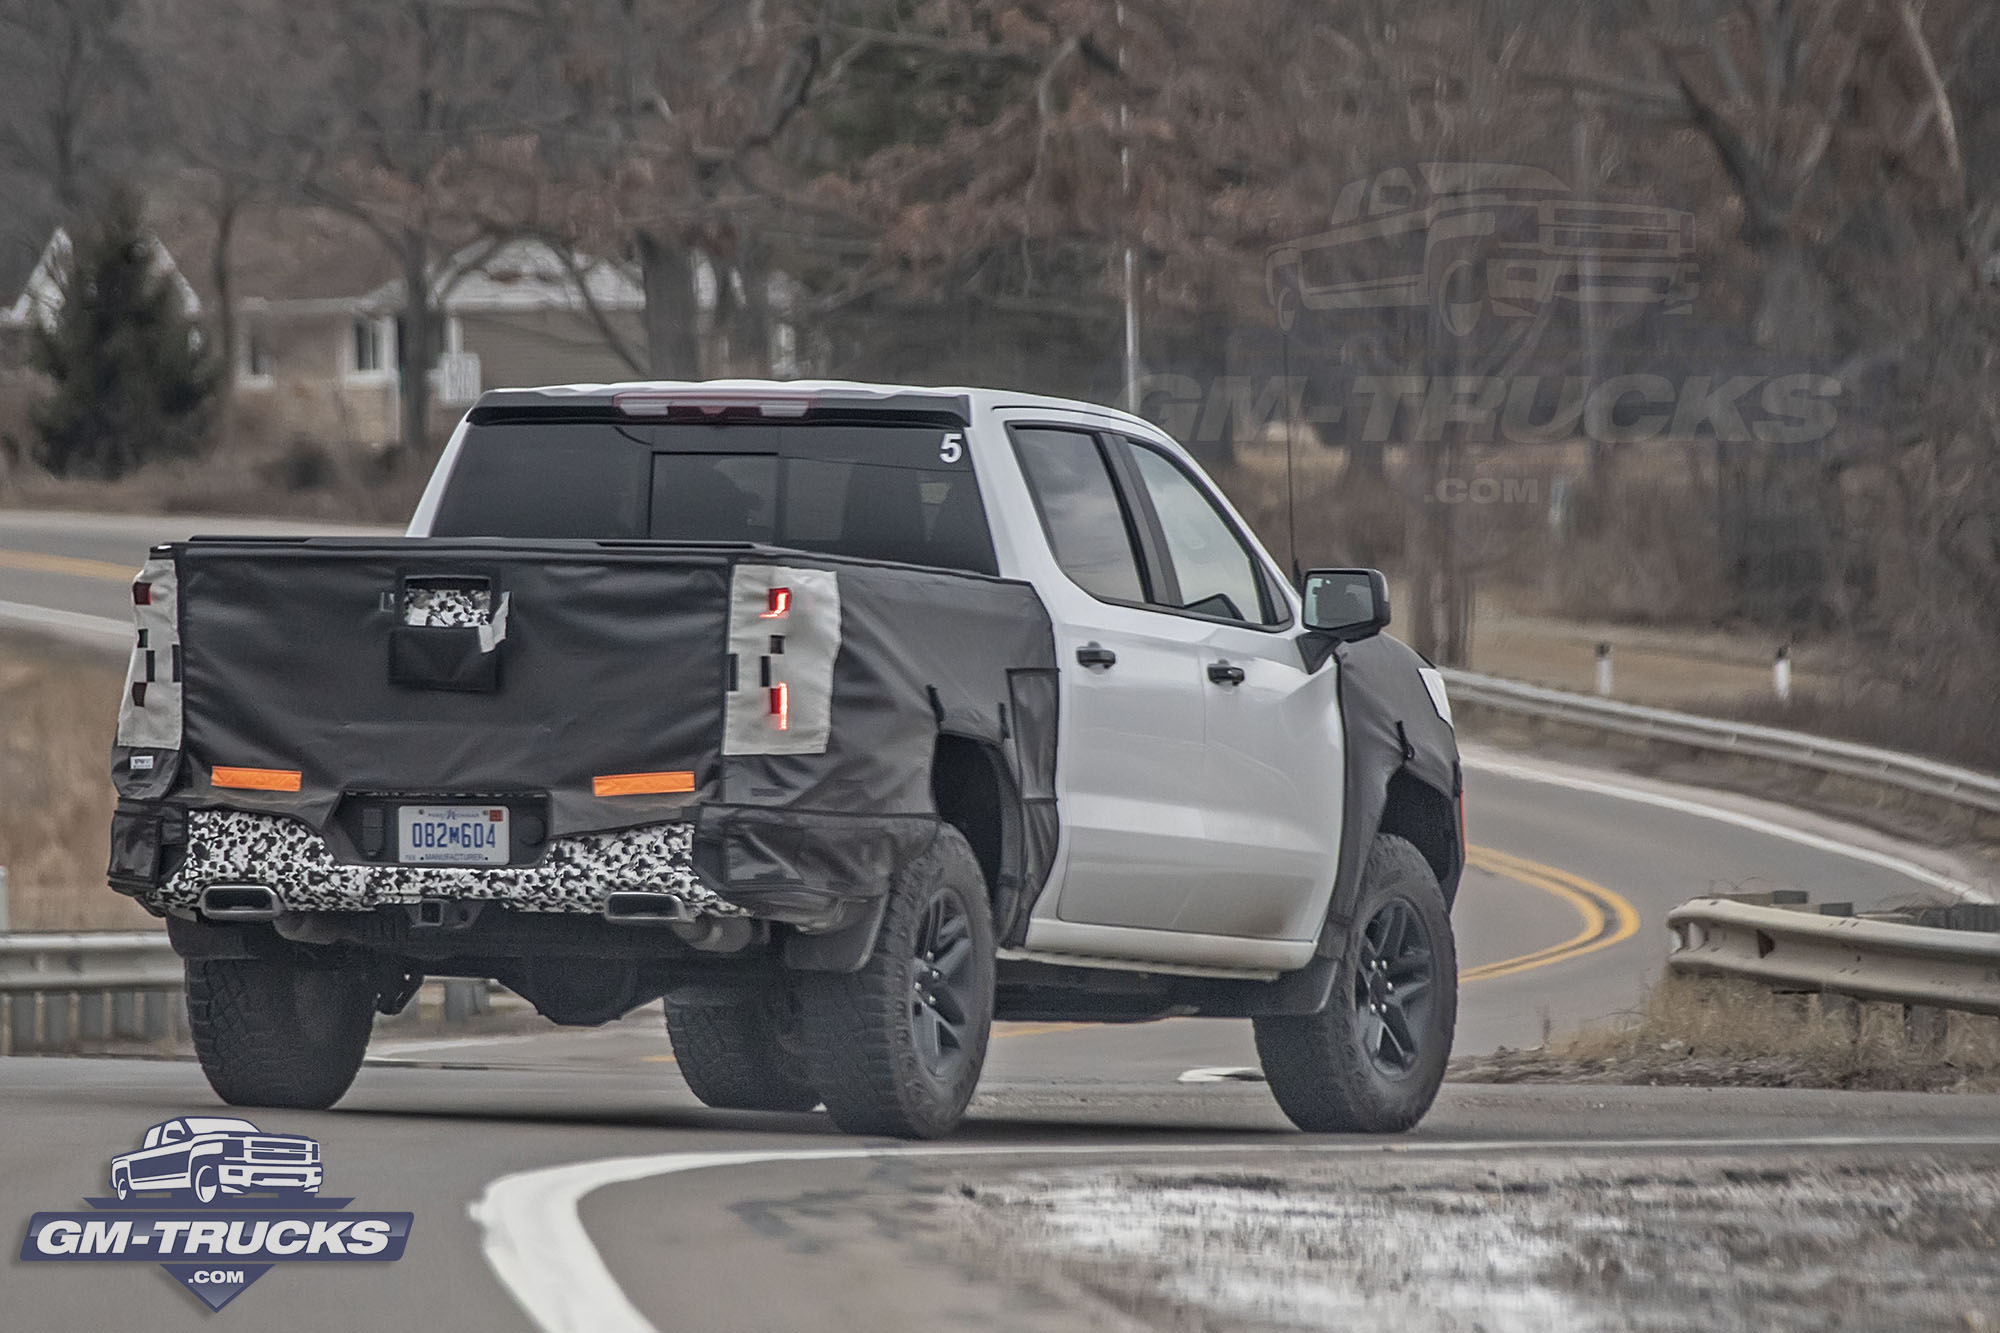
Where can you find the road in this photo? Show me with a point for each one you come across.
(1559, 922)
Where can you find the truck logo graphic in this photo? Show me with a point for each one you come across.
(1476, 244)
(206, 1157)
(218, 1203)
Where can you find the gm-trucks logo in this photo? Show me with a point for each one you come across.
(217, 1202)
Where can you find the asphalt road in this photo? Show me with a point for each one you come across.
(1559, 922)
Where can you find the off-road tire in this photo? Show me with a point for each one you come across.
(1319, 1066)
(274, 1034)
(865, 1030)
(734, 1057)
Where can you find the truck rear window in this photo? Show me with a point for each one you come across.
(878, 491)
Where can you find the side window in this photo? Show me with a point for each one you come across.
(1216, 572)
(1080, 511)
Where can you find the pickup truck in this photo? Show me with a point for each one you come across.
(209, 1156)
(843, 719)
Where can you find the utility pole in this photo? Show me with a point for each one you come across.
(1131, 283)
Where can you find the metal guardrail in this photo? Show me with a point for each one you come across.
(62, 992)
(1885, 957)
(1959, 786)
(95, 960)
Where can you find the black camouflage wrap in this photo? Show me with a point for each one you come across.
(440, 668)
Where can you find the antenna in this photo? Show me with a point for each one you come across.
(1291, 485)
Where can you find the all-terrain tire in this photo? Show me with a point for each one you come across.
(274, 1034)
(1346, 1069)
(896, 1047)
(734, 1057)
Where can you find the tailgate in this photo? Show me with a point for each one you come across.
(454, 667)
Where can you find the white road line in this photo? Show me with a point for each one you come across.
(394, 1048)
(535, 1243)
(1222, 1074)
(1576, 781)
(96, 631)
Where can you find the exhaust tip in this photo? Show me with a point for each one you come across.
(632, 907)
(240, 902)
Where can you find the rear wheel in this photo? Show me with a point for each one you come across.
(1371, 1062)
(896, 1048)
(733, 1055)
(275, 1034)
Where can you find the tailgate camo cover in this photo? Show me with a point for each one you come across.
(793, 701)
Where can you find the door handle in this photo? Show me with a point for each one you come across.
(1224, 674)
(1094, 654)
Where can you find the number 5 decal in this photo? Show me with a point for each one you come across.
(952, 449)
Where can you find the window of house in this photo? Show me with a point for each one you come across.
(371, 354)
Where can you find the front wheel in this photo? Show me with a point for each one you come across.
(206, 1185)
(1372, 1060)
(896, 1047)
(274, 1034)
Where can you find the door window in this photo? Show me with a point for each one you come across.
(1215, 572)
(1086, 525)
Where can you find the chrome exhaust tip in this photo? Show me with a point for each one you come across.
(631, 907)
(240, 902)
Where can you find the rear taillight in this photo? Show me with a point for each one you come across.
(149, 717)
(784, 633)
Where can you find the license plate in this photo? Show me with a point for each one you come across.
(452, 835)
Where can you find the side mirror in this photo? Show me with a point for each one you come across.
(1347, 604)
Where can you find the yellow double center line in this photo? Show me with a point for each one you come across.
(1607, 918)
(41, 562)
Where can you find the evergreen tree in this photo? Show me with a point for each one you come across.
(132, 380)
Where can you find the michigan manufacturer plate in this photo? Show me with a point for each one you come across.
(452, 835)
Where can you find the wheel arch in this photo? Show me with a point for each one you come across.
(1427, 818)
(974, 791)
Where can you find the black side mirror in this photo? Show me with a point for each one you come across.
(1346, 604)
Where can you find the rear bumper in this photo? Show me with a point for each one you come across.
(241, 847)
(816, 871)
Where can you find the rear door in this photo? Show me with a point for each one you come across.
(1131, 765)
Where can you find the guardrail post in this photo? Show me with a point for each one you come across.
(58, 1020)
(153, 1023)
(20, 1022)
(6, 910)
(1604, 669)
(1924, 1025)
(125, 1013)
(1844, 1010)
(463, 998)
(90, 1016)
(1781, 674)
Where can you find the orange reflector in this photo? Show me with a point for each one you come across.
(641, 784)
(257, 779)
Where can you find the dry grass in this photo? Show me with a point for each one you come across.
(294, 478)
(58, 708)
(1698, 1031)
